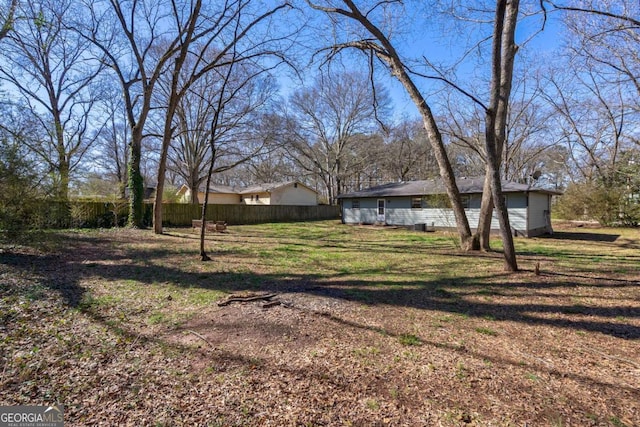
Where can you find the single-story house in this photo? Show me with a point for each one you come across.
(280, 193)
(425, 202)
(218, 195)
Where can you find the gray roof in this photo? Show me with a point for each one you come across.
(435, 186)
(219, 188)
(266, 187)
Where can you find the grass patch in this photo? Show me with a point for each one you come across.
(486, 331)
(532, 377)
(157, 318)
(409, 340)
(617, 422)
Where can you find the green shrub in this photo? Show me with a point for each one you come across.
(18, 190)
(609, 205)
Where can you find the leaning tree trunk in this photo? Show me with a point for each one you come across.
(444, 165)
(175, 96)
(386, 52)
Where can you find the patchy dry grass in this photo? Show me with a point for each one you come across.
(371, 326)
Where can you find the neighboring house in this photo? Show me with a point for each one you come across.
(218, 195)
(425, 202)
(282, 193)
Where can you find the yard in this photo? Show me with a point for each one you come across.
(368, 326)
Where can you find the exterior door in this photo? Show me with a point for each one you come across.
(381, 210)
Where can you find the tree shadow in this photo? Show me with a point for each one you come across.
(43, 271)
(65, 274)
(581, 236)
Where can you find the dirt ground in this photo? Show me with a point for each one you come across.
(125, 328)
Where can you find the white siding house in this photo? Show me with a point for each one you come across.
(425, 202)
(280, 193)
(283, 193)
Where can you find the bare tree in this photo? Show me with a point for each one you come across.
(189, 155)
(503, 56)
(238, 131)
(111, 150)
(596, 124)
(528, 134)
(238, 99)
(378, 45)
(47, 65)
(327, 117)
(206, 39)
(596, 98)
(363, 162)
(136, 39)
(408, 154)
(274, 164)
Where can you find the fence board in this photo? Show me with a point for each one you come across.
(105, 214)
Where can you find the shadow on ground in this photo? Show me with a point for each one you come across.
(80, 261)
(584, 236)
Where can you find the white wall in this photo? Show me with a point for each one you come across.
(538, 204)
(399, 212)
(294, 195)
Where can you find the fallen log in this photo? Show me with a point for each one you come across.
(233, 298)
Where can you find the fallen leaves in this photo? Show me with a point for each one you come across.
(132, 334)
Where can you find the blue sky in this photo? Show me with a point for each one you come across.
(425, 36)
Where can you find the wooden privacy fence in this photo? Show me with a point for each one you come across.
(181, 214)
(107, 214)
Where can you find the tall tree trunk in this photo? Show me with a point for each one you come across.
(162, 164)
(444, 165)
(175, 95)
(136, 182)
(503, 55)
(63, 185)
(194, 194)
(483, 233)
(205, 202)
(62, 189)
(498, 198)
(157, 202)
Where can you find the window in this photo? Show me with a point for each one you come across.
(257, 197)
(416, 203)
(466, 201)
(355, 204)
(295, 185)
(252, 197)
